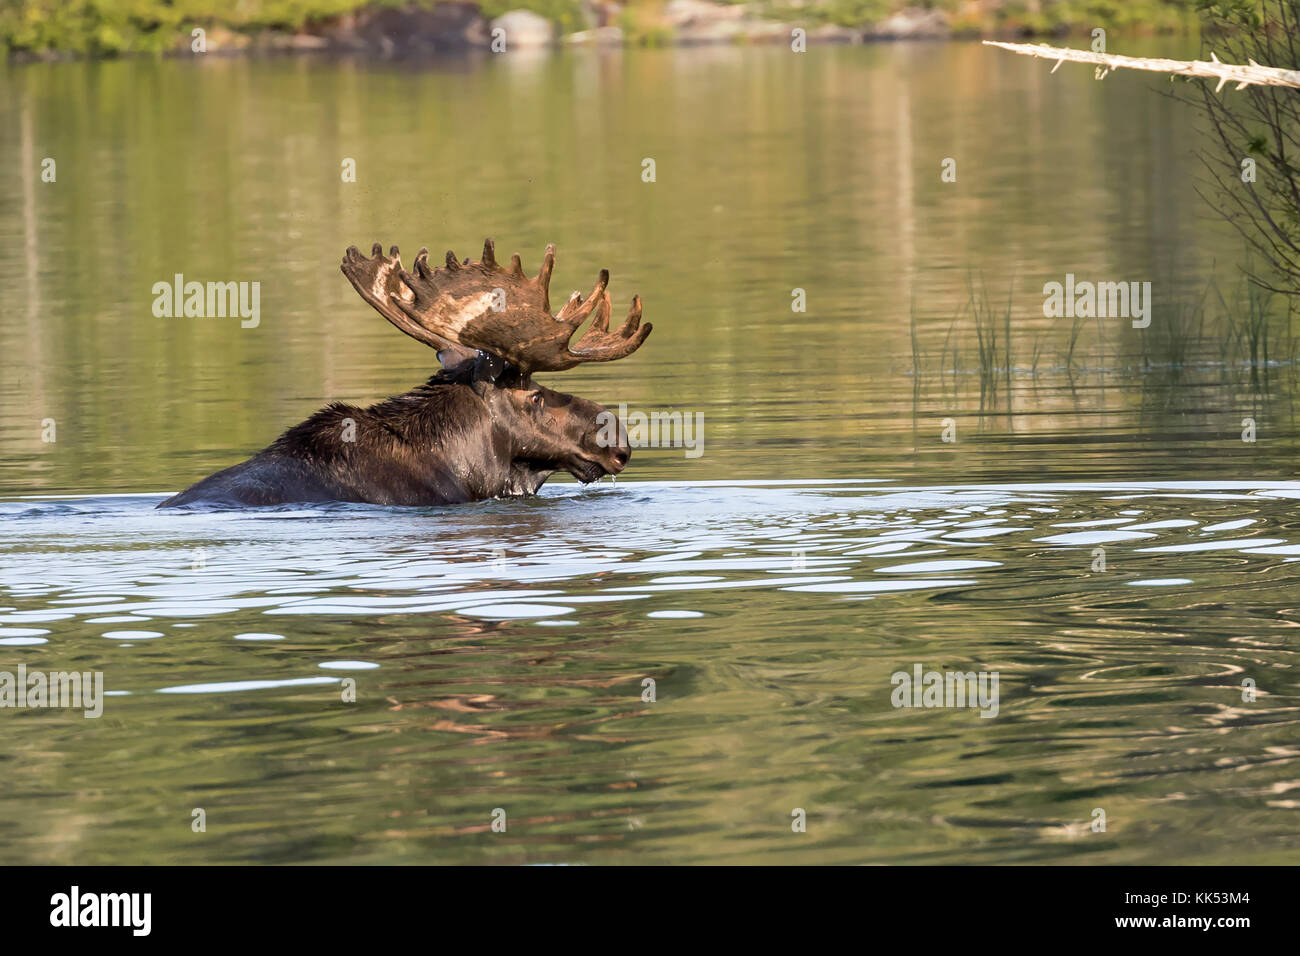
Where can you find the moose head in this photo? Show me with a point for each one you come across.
(496, 323)
(481, 427)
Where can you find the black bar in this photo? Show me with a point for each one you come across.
(327, 905)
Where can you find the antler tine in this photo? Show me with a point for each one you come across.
(422, 265)
(410, 281)
(544, 275)
(453, 264)
(577, 309)
(601, 322)
(633, 320)
(601, 345)
(566, 310)
(516, 266)
(548, 266)
(489, 260)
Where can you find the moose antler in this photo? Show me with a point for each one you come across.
(377, 279)
(480, 305)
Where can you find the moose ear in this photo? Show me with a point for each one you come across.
(492, 371)
(488, 367)
(485, 369)
(456, 360)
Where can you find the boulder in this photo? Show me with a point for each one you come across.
(409, 30)
(523, 28)
(912, 23)
(700, 14)
(834, 33)
(601, 36)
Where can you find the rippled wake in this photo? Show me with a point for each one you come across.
(1123, 618)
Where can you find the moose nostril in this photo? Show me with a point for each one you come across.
(621, 456)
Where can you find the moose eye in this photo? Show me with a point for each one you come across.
(536, 399)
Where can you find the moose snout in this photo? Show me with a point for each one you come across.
(608, 444)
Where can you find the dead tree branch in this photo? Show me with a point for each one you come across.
(1213, 68)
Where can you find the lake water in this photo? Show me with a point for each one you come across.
(1103, 515)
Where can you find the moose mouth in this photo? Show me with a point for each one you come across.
(588, 470)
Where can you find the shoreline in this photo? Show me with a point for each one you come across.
(415, 31)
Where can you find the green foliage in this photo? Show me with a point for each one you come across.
(1040, 18)
(641, 25)
(848, 13)
(94, 27)
(1243, 13)
(107, 27)
(1060, 16)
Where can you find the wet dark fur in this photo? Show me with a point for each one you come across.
(454, 439)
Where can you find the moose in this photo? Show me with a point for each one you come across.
(480, 428)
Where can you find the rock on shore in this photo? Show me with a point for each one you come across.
(455, 25)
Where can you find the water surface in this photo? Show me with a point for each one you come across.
(1099, 533)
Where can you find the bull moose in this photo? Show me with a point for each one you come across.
(480, 428)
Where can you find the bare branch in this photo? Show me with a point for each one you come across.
(1243, 76)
